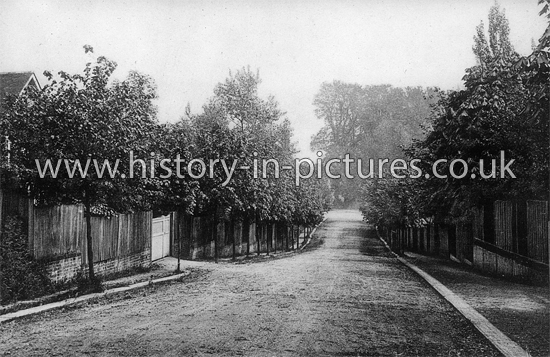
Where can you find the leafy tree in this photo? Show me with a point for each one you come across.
(171, 187)
(237, 124)
(537, 69)
(237, 101)
(499, 45)
(78, 118)
(477, 123)
(500, 109)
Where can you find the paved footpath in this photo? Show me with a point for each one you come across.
(520, 311)
(347, 296)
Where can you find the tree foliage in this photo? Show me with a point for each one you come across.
(75, 119)
(501, 109)
(236, 124)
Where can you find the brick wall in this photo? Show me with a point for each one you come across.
(66, 269)
(111, 266)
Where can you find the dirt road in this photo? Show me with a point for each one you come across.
(347, 297)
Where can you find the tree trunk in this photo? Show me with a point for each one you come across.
(177, 223)
(286, 237)
(1, 225)
(274, 237)
(87, 205)
(246, 225)
(232, 230)
(267, 238)
(291, 236)
(216, 236)
(257, 237)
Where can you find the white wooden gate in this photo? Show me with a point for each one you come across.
(160, 240)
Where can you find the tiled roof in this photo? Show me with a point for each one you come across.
(14, 82)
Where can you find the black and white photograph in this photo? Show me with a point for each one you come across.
(275, 178)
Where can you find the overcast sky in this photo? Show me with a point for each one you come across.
(189, 46)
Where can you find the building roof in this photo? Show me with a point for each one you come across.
(15, 82)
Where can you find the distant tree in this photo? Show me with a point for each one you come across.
(238, 101)
(368, 122)
(499, 45)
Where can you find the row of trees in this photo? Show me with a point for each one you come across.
(89, 116)
(503, 107)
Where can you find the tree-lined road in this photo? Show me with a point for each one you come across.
(346, 297)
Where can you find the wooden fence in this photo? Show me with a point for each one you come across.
(522, 228)
(57, 236)
(504, 238)
(507, 238)
(57, 231)
(61, 230)
(537, 235)
(203, 237)
(120, 235)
